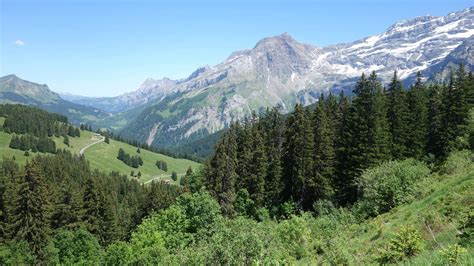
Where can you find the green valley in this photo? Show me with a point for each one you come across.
(103, 156)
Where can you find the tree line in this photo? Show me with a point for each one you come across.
(30, 142)
(318, 153)
(134, 161)
(60, 192)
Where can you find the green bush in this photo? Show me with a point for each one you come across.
(458, 163)
(390, 184)
(118, 253)
(16, 253)
(406, 244)
(452, 255)
(77, 247)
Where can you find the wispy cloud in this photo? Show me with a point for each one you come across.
(19, 43)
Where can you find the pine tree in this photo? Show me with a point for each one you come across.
(66, 140)
(121, 154)
(435, 143)
(455, 110)
(221, 170)
(29, 215)
(323, 151)
(91, 207)
(298, 160)
(364, 137)
(397, 118)
(256, 186)
(9, 170)
(417, 137)
(274, 126)
(66, 210)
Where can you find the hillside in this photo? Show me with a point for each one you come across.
(103, 156)
(15, 90)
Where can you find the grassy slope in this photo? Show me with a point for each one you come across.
(103, 156)
(449, 199)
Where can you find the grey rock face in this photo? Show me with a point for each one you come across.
(280, 70)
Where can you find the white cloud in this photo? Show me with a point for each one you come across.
(19, 43)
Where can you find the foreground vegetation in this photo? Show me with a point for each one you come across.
(433, 225)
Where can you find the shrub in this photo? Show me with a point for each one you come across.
(406, 243)
(16, 253)
(452, 254)
(391, 184)
(118, 253)
(77, 247)
(457, 163)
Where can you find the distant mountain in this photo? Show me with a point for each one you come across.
(16, 90)
(149, 90)
(282, 71)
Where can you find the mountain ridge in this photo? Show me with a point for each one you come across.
(279, 70)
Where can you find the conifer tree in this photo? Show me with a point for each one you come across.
(91, 207)
(274, 126)
(364, 137)
(29, 213)
(256, 184)
(66, 210)
(221, 172)
(298, 159)
(323, 151)
(417, 136)
(435, 144)
(397, 118)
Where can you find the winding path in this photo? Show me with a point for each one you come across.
(81, 152)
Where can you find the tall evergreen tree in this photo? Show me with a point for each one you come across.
(417, 136)
(274, 126)
(29, 213)
(256, 186)
(324, 154)
(298, 159)
(397, 115)
(221, 172)
(435, 144)
(364, 137)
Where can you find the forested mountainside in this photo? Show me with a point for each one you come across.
(282, 71)
(384, 177)
(14, 90)
(26, 131)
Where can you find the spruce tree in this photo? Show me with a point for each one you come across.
(29, 213)
(323, 151)
(221, 170)
(91, 207)
(274, 126)
(256, 186)
(298, 159)
(397, 115)
(417, 137)
(364, 137)
(66, 210)
(435, 143)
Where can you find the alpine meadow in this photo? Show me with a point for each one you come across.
(346, 153)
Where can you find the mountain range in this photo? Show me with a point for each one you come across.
(277, 71)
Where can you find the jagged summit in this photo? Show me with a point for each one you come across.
(281, 70)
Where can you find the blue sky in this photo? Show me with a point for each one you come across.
(105, 48)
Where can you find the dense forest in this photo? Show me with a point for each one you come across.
(34, 127)
(382, 176)
(319, 153)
